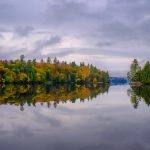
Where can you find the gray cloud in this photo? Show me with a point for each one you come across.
(16, 12)
(21, 31)
(44, 43)
(11, 52)
(6, 11)
(104, 43)
(59, 53)
(48, 42)
(1, 36)
(64, 12)
(117, 21)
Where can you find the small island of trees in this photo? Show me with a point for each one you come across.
(32, 71)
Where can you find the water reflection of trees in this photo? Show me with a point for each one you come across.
(138, 94)
(21, 95)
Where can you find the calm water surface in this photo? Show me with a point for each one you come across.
(81, 118)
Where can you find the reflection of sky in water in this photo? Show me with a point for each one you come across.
(108, 122)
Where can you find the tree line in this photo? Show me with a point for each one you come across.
(138, 73)
(49, 71)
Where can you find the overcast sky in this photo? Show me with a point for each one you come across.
(106, 33)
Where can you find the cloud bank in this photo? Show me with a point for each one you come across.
(107, 33)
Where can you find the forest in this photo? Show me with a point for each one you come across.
(49, 71)
(138, 73)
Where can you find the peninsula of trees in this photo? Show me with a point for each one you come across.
(139, 74)
(31, 71)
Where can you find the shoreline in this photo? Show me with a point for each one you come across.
(135, 84)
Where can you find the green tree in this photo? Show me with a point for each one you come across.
(134, 71)
(22, 58)
(48, 60)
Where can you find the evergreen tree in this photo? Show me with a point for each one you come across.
(134, 69)
(22, 58)
(48, 60)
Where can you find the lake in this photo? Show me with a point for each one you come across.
(74, 117)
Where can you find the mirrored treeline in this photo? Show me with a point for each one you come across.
(138, 94)
(21, 95)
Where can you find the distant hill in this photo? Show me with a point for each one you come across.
(118, 80)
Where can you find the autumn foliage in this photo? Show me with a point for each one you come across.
(31, 71)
